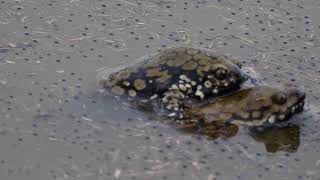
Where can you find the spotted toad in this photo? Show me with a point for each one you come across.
(256, 107)
(175, 78)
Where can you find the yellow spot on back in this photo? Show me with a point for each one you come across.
(124, 74)
(156, 61)
(181, 50)
(153, 72)
(139, 84)
(132, 93)
(166, 56)
(199, 57)
(216, 66)
(170, 62)
(178, 61)
(204, 61)
(164, 77)
(190, 65)
(202, 69)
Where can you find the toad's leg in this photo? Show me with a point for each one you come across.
(172, 104)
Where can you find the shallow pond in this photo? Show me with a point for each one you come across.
(55, 124)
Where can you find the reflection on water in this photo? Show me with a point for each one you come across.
(279, 138)
(275, 139)
(285, 137)
(212, 130)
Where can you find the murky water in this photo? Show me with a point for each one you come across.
(56, 125)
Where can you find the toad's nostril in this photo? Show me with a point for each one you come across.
(300, 94)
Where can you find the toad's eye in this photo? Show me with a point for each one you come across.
(221, 74)
(279, 98)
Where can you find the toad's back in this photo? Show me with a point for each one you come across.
(176, 73)
(166, 69)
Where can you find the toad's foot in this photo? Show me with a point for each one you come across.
(172, 104)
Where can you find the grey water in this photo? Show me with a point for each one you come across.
(56, 125)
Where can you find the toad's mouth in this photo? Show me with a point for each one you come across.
(283, 116)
